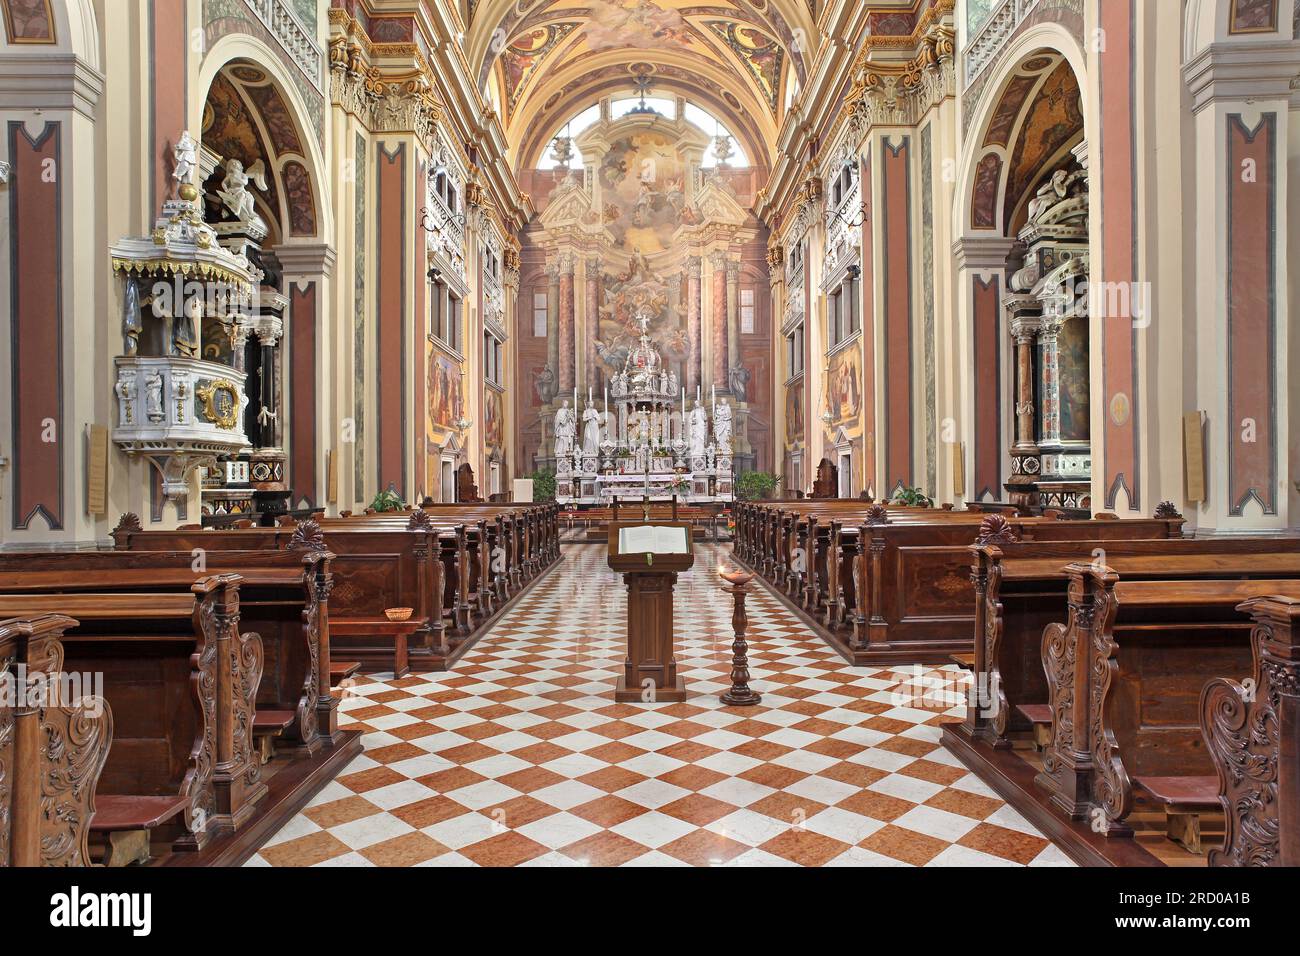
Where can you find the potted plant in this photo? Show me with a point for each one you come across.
(755, 485)
(388, 500)
(543, 485)
(911, 497)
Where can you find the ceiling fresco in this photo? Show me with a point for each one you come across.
(545, 55)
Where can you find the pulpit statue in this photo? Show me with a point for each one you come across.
(185, 153)
(234, 192)
(699, 429)
(185, 340)
(566, 427)
(722, 427)
(153, 387)
(591, 431)
(132, 323)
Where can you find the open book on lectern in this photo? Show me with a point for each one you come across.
(653, 539)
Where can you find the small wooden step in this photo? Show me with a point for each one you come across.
(965, 661)
(342, 670)
(126, 822)
(1200, 792)
(273, 722)
(1184, 800)
(1036, 714)
(124, 812)
(1040, 716)
(267, 725)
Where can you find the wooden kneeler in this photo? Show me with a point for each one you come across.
(267, 725)
(126, 823)
(1184, 800)
(1040, 716)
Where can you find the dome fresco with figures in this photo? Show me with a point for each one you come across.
(481, 357)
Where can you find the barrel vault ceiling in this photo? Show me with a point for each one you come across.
(541, 61)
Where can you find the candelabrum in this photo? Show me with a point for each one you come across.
(739, 694)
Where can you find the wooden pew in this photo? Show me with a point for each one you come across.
(1253, 738)
(284, 598)
(182, 681)
(453, 565)
(52, 750)
(892, 585)
(373, 567)
(1022, 586)
(1124, 676)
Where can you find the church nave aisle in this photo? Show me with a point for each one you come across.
(520, 755)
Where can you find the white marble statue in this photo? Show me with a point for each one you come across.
(566, 430)
(722, 427)
(185, 153)
(153, 388)
(699, 429)
(234, 192)
(591, 431)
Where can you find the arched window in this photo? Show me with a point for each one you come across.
(588, 117)
(706, 121)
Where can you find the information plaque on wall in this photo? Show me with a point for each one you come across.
(96, 470)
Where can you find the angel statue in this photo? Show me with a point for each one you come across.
(185, 152)
(234, 189)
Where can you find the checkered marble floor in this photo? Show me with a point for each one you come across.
(519, 756)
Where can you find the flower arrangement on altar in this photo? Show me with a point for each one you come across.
(679, 484)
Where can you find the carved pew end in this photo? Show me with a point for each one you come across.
(1184, 800)
(127, 824)
(1040, 718)
(267, 725)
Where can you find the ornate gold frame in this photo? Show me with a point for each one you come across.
(208, 396)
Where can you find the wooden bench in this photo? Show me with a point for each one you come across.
(284, 598)
(1252, 734)
(182, 683)
(1022, 587)
(1125, 674)
(47, 794)
(382, 644)
(887, 585)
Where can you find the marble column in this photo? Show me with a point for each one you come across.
(567, 370)
(1024, 334)
(693, 335)
(1050, 385)
(553, 320)
(733, 318)
(592, 323)
(719, 322)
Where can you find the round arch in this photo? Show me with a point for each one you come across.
(1039, 39)
(230, 50)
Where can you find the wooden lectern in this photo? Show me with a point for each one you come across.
(650, 576)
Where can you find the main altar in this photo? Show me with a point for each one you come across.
(644, 442)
